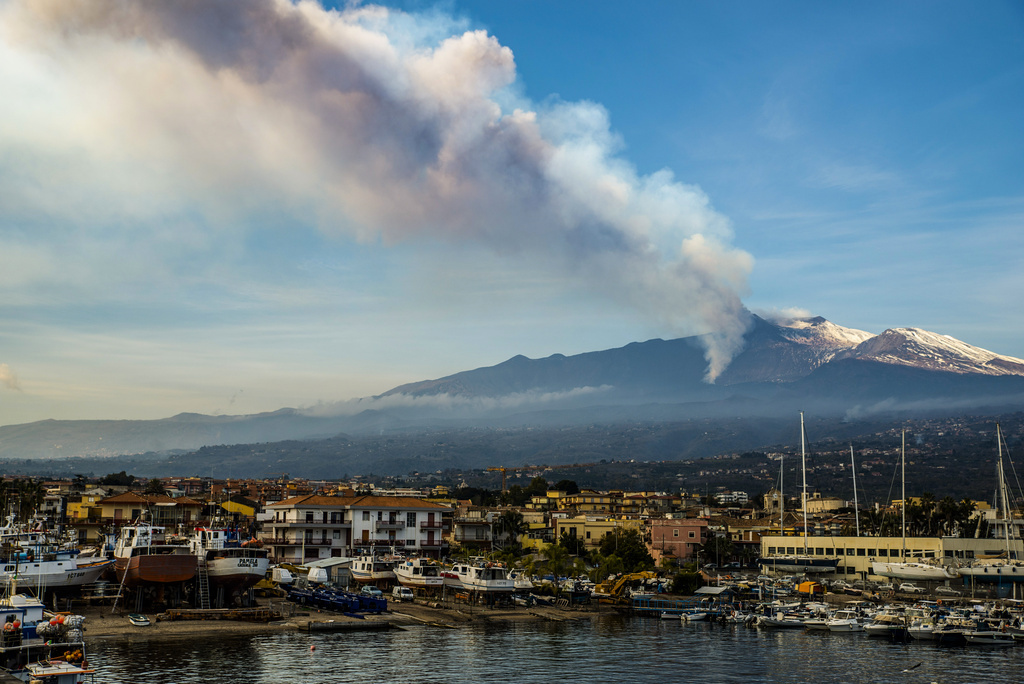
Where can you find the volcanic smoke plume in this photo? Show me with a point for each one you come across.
(371, 123)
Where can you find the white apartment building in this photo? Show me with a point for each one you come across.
(312, 527)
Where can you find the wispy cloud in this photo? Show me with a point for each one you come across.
(8, 379)
(451, 403)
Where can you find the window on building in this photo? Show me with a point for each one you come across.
(309, 516)
(850, 552)
(692, 534)
(588, 534)
(771, 550)
(410, 519)
(366, 516)
(380, 516)
(337, 534)
(862, 552)
(335, 517)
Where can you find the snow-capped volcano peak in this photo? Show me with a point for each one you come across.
(925, 349)
(819, 332)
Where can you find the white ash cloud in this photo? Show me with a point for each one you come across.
(365, 122)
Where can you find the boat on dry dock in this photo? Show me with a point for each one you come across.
(143, 555)
(373, 570)
(482, 576)
(230, 565)
(419, 573)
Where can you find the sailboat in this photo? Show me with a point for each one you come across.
(805, 562)
(904, 569)
(1008, 568)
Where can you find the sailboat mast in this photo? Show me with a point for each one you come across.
(1003, 491)
(856, 506)
(782, 498)
(903, 492)
(803, 466)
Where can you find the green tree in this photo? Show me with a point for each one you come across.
(571, 543)
(557, 561)
(155, 486)
(121, 479)
(568, 486)
(686, 583)
(628, 545)
(717, 549)
(508, 528)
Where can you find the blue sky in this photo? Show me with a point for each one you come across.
(192, 218)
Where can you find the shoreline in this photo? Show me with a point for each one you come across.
(101, 623)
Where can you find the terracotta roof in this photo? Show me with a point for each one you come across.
(366, 501)
(151, 499)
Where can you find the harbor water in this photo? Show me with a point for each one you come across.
(610, 649)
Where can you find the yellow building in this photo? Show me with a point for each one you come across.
(591, 529)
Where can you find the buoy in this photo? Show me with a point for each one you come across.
(312, 648)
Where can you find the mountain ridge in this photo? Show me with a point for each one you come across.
(783, 367)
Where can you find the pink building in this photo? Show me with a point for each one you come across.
(677, 537)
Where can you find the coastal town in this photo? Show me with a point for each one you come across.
(177, 555)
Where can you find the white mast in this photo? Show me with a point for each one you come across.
(803, 466)
(903, 477)
(856, 506)
(782, 498)
(1003, 492)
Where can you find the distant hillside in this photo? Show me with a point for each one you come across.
(808, 364)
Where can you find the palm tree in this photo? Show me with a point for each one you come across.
(557, 561)
(509, 527)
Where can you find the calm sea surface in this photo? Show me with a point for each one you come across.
(611, 649)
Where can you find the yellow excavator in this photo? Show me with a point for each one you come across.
(613, 591)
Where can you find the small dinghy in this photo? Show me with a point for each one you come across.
(138, 620)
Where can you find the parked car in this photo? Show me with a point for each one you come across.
(401, 593)
(948, 591)
(370, 590)
(885, 587)
(907, 588)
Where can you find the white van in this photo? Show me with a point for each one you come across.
(401, 593)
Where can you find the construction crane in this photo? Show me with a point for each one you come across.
(506, 469)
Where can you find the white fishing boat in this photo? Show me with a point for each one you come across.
(989, 636)
(34, 648)
(50, 570)
(486, 577)
(887, 624)
(522, 582)
(230, 564)
(693, 616)
(373, 570)
(781, 621)
(419, 573)
(846, 621)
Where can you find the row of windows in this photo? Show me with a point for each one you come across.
(874, 553)
(335, 517)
